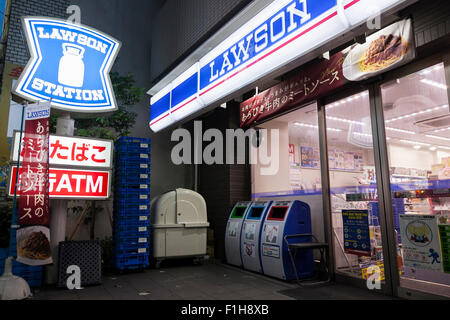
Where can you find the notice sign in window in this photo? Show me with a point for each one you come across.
(356, 232)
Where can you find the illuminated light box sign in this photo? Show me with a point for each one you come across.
(72, 184)
(279, 34)
(73, 151)
(69, 65)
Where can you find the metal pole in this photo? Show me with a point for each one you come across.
(14, 210)
(58, 216)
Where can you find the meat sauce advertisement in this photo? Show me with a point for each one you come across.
(384, 50)
(33, 236)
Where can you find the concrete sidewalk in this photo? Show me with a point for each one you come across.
(212, 281)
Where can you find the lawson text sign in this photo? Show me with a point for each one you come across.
(279, 34)
(69, 65)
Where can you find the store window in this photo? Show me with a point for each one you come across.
(299, 175)
(355, 219)
(417, 123)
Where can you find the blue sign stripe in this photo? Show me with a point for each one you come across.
(159, 107)
(42, 79)
(185, 90)
(262, 38)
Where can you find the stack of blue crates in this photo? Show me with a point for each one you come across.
(132, 203)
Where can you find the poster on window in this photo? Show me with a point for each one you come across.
(33, 236)
(310, 157)
(420, 242)
(356, 232)
(444, 234)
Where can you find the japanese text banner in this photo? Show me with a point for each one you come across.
(33, 238)
(74, 152)
(384, 50)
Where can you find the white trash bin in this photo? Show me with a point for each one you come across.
(179, 225)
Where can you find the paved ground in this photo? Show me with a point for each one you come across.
(213, 281)
(186, 282)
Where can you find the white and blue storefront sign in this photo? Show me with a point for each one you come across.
(282, 32)
(69, 65)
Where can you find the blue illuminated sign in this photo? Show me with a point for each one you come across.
(69, 65)
(279, 34)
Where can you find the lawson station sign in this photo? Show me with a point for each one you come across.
(281, 33)
(69, 65)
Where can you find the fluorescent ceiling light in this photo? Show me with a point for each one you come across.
(436, 137)
(434, 84)
(307, 125)
(415, 143)
(417, 113)
(400, 130)
(345, 120)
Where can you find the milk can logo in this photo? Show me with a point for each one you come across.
(69, 65)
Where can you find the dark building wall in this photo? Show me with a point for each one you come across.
(16, 50)
(431, 20)
(181, 25)
(131, 22)
(223, 185)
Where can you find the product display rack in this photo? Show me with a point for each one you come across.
(131, 231)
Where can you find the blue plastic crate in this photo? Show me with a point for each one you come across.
(3, 253)
(131, 229)
(120, 175)
(136, 170)
(134, 148)
(131, 219)
(131, 248)
(120, 210)
(132, 180)
(135, 200)
(134, 261)
(32, 274)
(35, 283)
(132, 140)
(132, 188)
(124, 156)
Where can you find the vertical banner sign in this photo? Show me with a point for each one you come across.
(356, 232)
(33, 238)
(420, 242)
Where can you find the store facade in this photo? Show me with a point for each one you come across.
(368, 155)
(390, 180)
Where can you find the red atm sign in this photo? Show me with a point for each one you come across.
(72, 184)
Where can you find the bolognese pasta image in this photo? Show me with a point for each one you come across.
(36, 247)
(383, 52)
